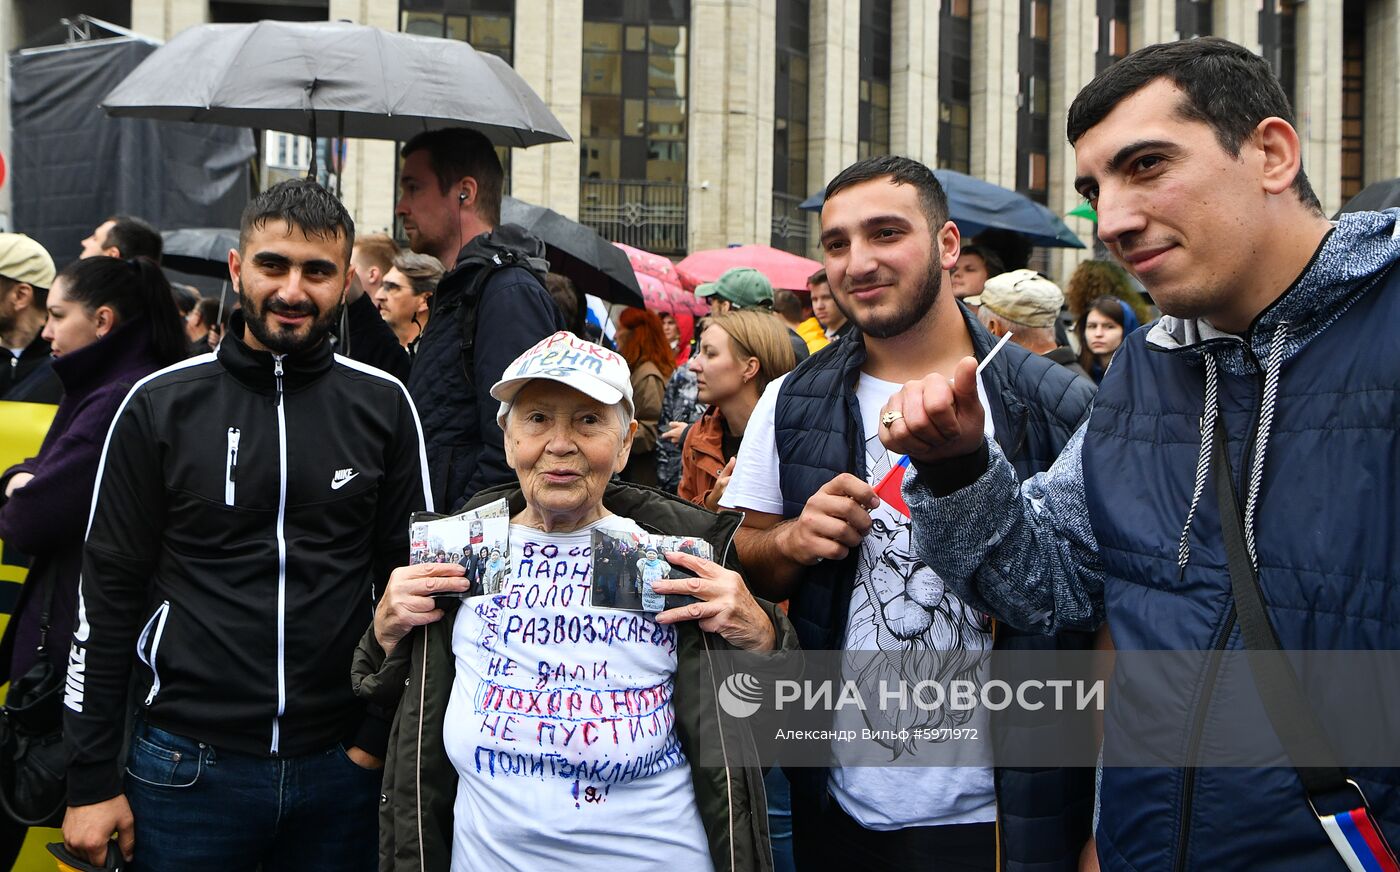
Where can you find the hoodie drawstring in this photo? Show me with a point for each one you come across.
(1261, 437)
(1268, 403)
(1208, 416)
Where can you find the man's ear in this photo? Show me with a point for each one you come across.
(235, 267)
(465, 191)
(949, 244)
(23, 295)
(1282, 154)
(349, 280)
(423, 303)
(112, 251)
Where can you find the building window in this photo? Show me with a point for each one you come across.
(791, 227)
(1033, 114)
(955, 85)
(632, 151)
(1279, 42)
(1194, 18)
(1353, 98)
(1114, 17)
(487, 25)
(873, 114)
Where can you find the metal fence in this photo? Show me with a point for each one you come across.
(792, 228)
(646, 215)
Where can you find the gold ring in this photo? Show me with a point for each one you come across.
(890, 417)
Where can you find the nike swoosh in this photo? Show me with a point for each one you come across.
(337, 485)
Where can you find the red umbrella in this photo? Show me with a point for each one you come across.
(783, 269)
(667, 293)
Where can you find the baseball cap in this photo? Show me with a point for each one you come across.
(743, 286)
(587, 368)
(1023, 296)
(24, 260)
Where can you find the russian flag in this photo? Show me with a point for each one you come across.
(888, 490)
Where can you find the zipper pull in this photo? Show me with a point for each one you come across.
(231, 475)
(277, 371)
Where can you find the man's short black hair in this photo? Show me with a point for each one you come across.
(817, 278)
(303, 204)
(989, 257)
(457, 152)
(1225, 85)
(209, 311)
(133, 237)
(900, 171)
(186, 297)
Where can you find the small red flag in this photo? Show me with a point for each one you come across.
(888, 490)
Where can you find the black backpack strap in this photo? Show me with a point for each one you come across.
(499, 259)
(1293, 719)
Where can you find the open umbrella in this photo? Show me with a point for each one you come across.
(782, 269)
(335, 78)
(200, 251)
(975, 206)
(594, 264)
(668, 292)
(1374, 197)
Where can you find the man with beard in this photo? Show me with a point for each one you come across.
(26, 271)
(487, 310)
(805, 479)
(1235, 488)
(249, 506)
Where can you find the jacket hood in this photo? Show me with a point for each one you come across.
(1353, 257)
(506, 243)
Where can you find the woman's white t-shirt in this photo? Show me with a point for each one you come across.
(561, 726)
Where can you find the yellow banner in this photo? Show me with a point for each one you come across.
(22, 429)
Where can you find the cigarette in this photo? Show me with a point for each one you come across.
(988, 359)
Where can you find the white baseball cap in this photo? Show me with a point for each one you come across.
(565, 358)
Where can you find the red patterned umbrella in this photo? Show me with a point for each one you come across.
(662, 288)
(783, 270)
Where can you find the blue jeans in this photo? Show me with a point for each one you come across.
(775, 783)
(202, 808)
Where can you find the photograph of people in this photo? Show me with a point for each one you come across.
(651, 569)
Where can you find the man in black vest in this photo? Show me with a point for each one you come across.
(450, 204)
(816, 533)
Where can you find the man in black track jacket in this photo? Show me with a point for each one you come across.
(249, 505)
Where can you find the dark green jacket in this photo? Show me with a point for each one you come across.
(420, 783)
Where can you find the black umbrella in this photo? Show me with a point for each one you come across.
(1375, 197)
(595, 265)
(201, 251)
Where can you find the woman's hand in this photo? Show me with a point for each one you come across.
(17, 481)
(721, 482)
(408, 599)
(726, 607)
(674, 431)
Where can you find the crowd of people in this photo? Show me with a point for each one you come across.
(254, 675)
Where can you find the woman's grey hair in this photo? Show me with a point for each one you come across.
(423, 270)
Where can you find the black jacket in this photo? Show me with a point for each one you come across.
(487, 311)
(29, 377)
(248, 509)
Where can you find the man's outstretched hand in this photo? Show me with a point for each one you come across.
(933, 419)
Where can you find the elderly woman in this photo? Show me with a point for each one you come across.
(533, 730)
